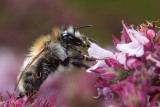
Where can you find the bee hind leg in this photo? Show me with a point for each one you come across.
(30, 95)
(21, 94)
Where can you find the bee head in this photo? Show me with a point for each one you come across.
(73, 36)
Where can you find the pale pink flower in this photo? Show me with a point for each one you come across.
(136, 45)
(98, 52)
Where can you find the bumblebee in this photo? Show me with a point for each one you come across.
(48, 54)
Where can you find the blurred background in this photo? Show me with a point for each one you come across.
(22, 21)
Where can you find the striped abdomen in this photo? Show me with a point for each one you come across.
(36, 75)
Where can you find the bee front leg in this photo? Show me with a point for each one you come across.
(74, 48)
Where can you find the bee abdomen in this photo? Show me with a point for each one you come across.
(28, 87)
(29, 79)
(33, 79)
(28, 82)
(48, 68)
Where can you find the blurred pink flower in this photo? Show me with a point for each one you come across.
(29, 102)
(9, 67)
(130, 96)
(108, 76)
(155, 59)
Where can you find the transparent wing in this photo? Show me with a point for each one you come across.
(29, 64)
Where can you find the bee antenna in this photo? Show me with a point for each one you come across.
(81, 27)
(92, 40)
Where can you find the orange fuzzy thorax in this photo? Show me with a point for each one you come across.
(39, 44)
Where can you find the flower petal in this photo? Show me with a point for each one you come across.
(125, 36)
(115, 40)
(132, 49)
(109, 76)
(94, 67)
(98, 52)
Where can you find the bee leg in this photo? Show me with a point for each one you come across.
(20, 95)
(66, 61)
(31, 95)
(74, 48)
(80, 64)
(82, 57)
(88, 58)
(77, 56)
(74, 56)
(88, 46)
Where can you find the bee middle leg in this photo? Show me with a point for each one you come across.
(82, 57)
(79, 60)
(80, 64)
(77, 57)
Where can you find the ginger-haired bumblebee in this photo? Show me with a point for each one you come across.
(49, 53)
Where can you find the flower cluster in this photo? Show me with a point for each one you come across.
(131, 76)
(26, 102)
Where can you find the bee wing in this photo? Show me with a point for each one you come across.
(29, 64)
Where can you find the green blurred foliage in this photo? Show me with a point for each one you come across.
(26, 20)
(106, 15)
